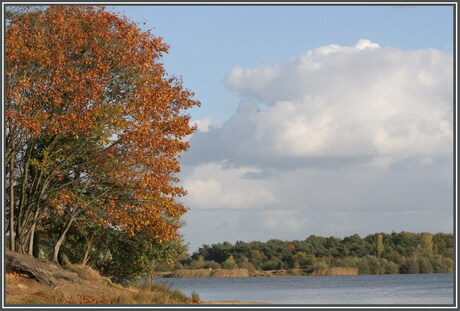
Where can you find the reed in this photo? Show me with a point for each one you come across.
(195, 273)
(207, 273)
(233, 273)
(336, 271)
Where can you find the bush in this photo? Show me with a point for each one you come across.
(374, 265)
(230, 263)
(195, 297)
(363, 266)
(211, 264)
(391, 267)
(425, 266)
(442, 265)
(319, 266)
(347, 262)
(198, 263)
(410, 266)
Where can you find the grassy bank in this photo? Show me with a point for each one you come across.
(31, 281)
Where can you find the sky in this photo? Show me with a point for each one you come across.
(325, 120)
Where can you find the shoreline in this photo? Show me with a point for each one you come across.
(216, 273)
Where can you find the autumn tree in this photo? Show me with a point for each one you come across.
(94, 125)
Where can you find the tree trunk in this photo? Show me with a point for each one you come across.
(65, 260)
(86, 255)
(22, 239)
(12, 231)
(36, 247)
(59, 242)
(32, 232)
(31, 240)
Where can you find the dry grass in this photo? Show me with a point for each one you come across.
(89, 274)
(223, 273)
(261, 273)
(153, 294)
(197, 273)
(85, 287)
(336, 271)
(234, 273)
(21, 289)
(207, 273)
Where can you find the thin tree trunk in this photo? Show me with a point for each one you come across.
(32, 232)
(22, 196)
(89, 245)
(22, 239)
(31, 240)
(59, 242)
(12, 232)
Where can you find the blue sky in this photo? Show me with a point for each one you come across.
(207, 41)
(327, 120)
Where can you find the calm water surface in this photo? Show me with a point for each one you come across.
(361, 289)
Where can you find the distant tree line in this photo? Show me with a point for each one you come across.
(378, 253)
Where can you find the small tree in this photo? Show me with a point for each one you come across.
(379, 245)
(198, 263)
(230, 263)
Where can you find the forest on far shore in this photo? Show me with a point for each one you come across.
(378, 253)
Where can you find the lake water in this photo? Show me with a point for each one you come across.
(403, 289)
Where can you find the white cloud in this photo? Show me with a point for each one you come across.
(337, 102)
(206, 124)
(210, 186)
(283, 220)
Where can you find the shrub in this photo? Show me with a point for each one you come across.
(319, 266)
(374, 265)
(442, 265)
(198, 263)
(230, 263)
(391, 267)
(211, 264)
(425, 266)
(410, 266)
(195, 297)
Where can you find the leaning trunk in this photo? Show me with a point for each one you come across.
(86, 256)
(31, 240)
(59, 242)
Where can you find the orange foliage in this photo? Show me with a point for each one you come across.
(83, 72)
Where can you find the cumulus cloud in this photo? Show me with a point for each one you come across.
(336, 105)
